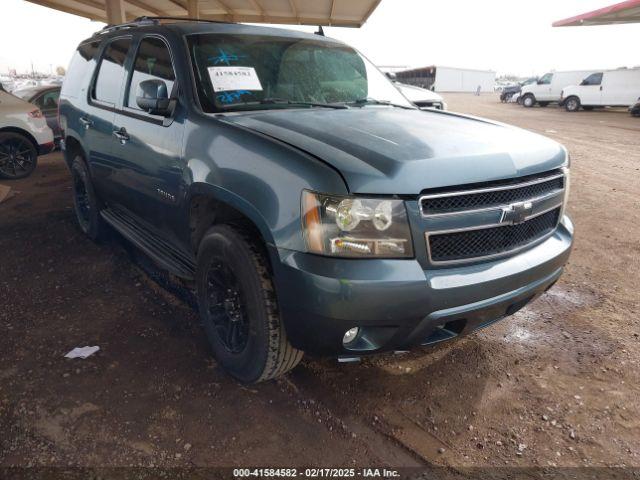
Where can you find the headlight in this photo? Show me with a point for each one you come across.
(355, 227)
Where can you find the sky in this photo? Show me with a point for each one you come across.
(508, 36)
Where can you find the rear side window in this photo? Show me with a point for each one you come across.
(153, 62)
(109, 80)
(48, 100)
(76, 77)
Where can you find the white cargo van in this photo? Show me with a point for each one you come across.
(549, 87)
(611, 88)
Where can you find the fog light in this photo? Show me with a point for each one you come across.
(350, 335)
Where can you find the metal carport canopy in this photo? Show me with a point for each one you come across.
(625, 12)
(343, 13)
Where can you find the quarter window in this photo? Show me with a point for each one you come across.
(109, 81)
(48, 100)
(153, 62)
(76, 76)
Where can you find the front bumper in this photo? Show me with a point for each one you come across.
(399, 305)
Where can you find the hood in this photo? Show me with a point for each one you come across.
(386, 150)
(512, 88)
(417, 94)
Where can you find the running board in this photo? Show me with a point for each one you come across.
(159, 250)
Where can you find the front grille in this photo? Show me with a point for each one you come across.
(469, 244)
(499, 193)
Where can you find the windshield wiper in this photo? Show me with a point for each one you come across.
(284, 101)
(373, 101)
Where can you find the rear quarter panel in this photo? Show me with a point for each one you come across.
(14, 113)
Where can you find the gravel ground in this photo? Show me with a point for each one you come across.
(555, 385)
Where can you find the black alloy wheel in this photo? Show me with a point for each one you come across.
(86, 203)
(238, 306)
(81, 200)
(18, 156)
(227, 307)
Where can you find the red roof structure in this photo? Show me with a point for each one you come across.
(624, 12)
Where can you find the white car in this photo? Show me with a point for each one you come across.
(612, 88)
(421, 97)
(24, 135)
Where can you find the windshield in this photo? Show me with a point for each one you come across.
(240, 72)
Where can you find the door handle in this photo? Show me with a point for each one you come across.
(600, 87)
(121, 135)
(86, 123)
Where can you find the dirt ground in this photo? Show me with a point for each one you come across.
(555, 385)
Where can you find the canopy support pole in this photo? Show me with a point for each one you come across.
(115, 12)
(192, 9)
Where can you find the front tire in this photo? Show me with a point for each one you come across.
(238, 307)
(528, 101)
(18, 156)
(572, 104)
(86, 203)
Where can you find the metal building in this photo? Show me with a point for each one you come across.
(449, 79)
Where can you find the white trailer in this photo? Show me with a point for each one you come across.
(450, 79)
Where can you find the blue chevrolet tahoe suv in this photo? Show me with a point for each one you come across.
(310, 206)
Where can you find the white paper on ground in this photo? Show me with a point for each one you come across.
(82, 352)
(226, 79)
(5, 193)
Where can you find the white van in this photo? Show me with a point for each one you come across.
(612, 88)
(549, 87)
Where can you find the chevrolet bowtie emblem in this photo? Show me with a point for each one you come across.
(516, 213)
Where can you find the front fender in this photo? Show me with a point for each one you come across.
(237, 202)
(257, 175)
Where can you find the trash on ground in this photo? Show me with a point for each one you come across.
(82, 352)
(5, 193)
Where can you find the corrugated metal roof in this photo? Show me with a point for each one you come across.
(625, 12)
(346, 13)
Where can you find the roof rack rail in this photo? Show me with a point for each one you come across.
(149, 20)
(138, 22)
(182, 19)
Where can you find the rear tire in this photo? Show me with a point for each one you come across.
(86, 204)
(18, 156)
(528, 101)
(572, 104)
(238, 307)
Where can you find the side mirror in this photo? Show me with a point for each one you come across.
(152, 97)
(391, 76)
